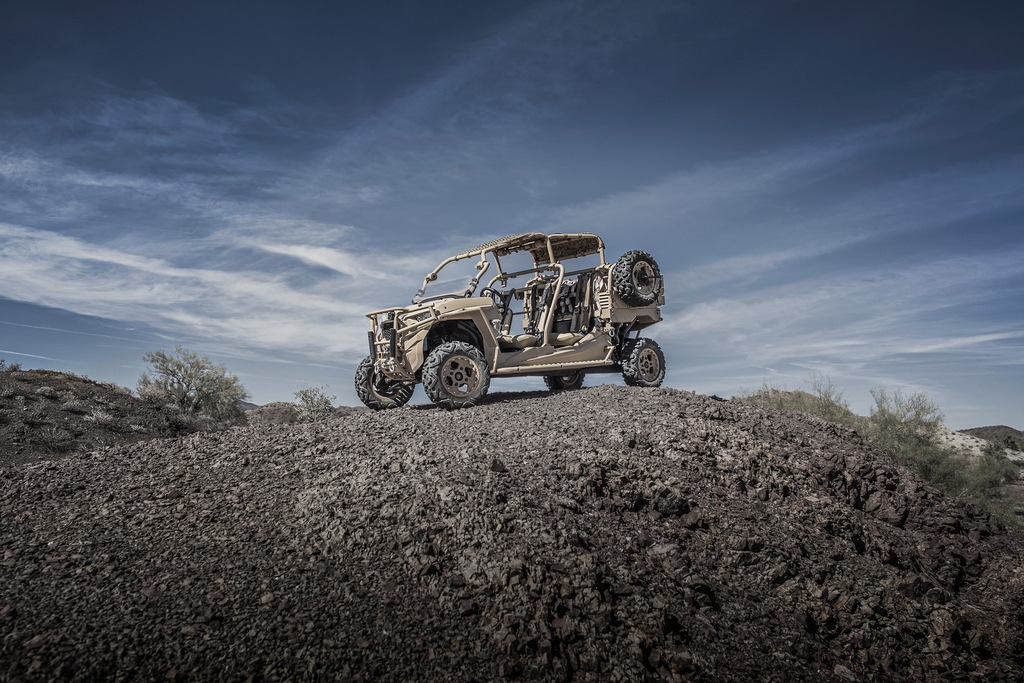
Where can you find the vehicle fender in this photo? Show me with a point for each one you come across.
(416, 351)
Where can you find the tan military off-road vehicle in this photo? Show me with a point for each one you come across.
(556, 309)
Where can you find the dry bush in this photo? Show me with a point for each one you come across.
(47, 392)
(54, 438)
(101, 418)
(35, 416)
(314, 404)
(194, 383)
(9, 367)
(77, 406)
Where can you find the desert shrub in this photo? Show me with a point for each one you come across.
(194, 383)
(9, 367)
(977, 479)
(314, 404)
(256, 419)
(995, 449)
(907, 427)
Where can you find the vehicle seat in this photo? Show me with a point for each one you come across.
(565, 338)
(519, 341)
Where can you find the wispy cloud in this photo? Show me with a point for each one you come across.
(31, 355)
(252, 308)
(856, 327)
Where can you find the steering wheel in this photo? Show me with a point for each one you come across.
(496, 296)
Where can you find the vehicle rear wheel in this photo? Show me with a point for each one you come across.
(455, 375)
(569, 382)
(636, 279)
(377, 391)
(643, 363)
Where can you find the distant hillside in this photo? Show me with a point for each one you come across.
(46, 414)
(606, 534)
(1000, 435)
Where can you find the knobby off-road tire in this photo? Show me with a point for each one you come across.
(643, 363)
(636, 279)
(455, 375)
(569, 382)
(379, 392)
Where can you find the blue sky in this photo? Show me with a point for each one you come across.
(830, 188)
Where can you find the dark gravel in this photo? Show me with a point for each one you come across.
(608, 534)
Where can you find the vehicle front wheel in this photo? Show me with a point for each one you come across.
(377, 391)
(455, 375)
(643, 363)
(574, 380)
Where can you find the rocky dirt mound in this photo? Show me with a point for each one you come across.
(46, 414)
(607, 534)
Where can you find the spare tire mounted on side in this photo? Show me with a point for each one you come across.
(636, 278)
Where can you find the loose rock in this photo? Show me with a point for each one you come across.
(642, 534)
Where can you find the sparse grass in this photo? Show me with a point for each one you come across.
(35, 416)
(906, 427)
(54, 438)
(77, 406)
(824, 401)
(101, 418)
(47, 392)
(977, 479)
(124, 391)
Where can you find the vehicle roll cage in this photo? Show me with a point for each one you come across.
(547, 252)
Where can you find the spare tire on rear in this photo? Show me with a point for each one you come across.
(636, 279)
